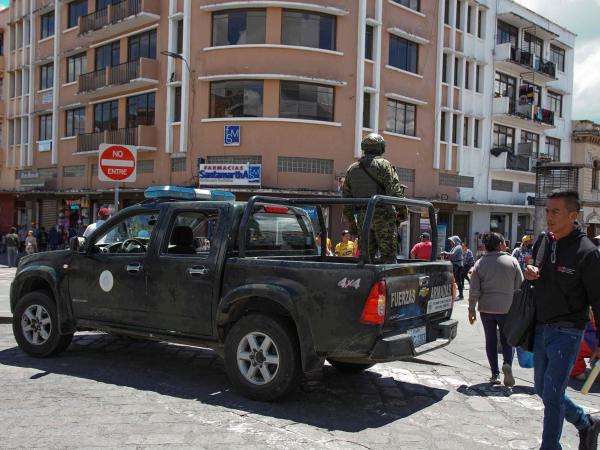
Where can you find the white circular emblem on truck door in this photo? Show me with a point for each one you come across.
(106, 281)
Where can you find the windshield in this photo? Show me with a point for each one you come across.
(134, 227)
(280, 232)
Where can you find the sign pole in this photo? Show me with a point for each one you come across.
(117, 185)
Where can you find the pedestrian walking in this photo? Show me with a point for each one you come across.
(346, 246)
(22, 237)
(524, 251)
(12, 247)
(31, 245)
(456, 258)
(468, 261)
(371, 175)
(495, 277)
(53, 239)
(565, 277)
(589, 342)
(43, 239)
(422, 250)
(328, 245)
(103, 216)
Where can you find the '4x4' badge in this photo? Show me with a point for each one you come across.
(346, 283)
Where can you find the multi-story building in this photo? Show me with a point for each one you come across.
(7, 200)
(507, 78)
(304, 81)
(586, 154)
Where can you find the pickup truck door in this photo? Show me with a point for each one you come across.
(183, 273)
(107, 283)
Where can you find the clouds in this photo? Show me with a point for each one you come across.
(581, 17)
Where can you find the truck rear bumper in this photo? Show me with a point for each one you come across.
(401, 346)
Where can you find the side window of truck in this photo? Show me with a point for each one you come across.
(191, 233)
(130, 235)
(277, 230)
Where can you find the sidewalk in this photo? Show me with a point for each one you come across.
(6, 276)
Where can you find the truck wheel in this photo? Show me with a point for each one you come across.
(262, 358)
(346, 367)
(35, 326)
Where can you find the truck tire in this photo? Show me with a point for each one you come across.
(346, 367)
(35, 326)
(262, 359)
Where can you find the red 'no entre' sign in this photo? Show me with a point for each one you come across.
(117, 163)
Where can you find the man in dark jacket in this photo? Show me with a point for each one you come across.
(456, 258)
(565, 274)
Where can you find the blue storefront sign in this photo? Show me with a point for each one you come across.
(230, 174)
(311, 211)
(232, 135)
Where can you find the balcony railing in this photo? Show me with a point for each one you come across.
(88, 142)
(110, 15)
(124, 73)
(532, 112)
(123, 136)
(533, 61)
(92, 80)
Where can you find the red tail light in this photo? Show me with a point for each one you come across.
(276, 209)
(374, 310)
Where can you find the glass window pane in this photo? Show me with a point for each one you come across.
(308, 29)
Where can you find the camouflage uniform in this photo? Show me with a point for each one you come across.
(358, 184)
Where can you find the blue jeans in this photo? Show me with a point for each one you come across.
(554, 354)
(491, 323)
(11, 254)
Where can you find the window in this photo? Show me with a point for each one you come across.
(45, 127)
(304, 165)
(557, 56)
(76, 65)
(443, 126)
(192, 233)
(403, 54)
(412, 4)
(466, 132)
(177, 105)
(306, 101)
(444, 68)
(555, 103)
(308, 29)
(140, 110)
(467, 73)
(530, 138)
(239, 27)
(476, 133)
(280, 233)
(73, 171)
(46, 76)
(447, 12)
(239, 98)
(457, 71)
(369, 42)
(502, 185)
(367, 110)
(469, 18)
(138, 228)
(401, 118)
(47, 23)
(480, 19)
(553, 148)
(142, 45)
(503, 137)
(178, 164)
(1, 88)
(596, 175)
(106, 116)
(507, 33)
(180, 36)
(145, 166)
(75, 121)
(458, 8)
(101, 4)
(107, 55)
(450, 179)
(530, 94)
(454, 129)
(506, 86)
(532, 44)
(77, 9)
(478, 87)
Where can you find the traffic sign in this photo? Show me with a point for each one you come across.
(117, 163)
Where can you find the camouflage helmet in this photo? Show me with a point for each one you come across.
(373, 144)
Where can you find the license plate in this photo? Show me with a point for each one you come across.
(418, 335)
(439, 304)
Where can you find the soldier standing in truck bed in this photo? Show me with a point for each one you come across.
(372, 175)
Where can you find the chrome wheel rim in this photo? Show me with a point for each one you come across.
(36, 325)
(258, 358)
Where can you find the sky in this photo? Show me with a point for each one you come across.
(582, 18)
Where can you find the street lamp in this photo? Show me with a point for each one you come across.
(176, 56)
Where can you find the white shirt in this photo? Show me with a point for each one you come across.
(92, 227)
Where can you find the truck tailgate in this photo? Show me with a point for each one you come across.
(417, 298)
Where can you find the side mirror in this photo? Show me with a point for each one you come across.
(77, 244)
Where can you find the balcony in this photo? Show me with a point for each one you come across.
(518, 114)
(523, 160)
(120, 78)
(118, 18)
(143, 137)
(515, 60)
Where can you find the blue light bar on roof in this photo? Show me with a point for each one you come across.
(185, 193)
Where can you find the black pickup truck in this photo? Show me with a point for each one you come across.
(243, 278)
